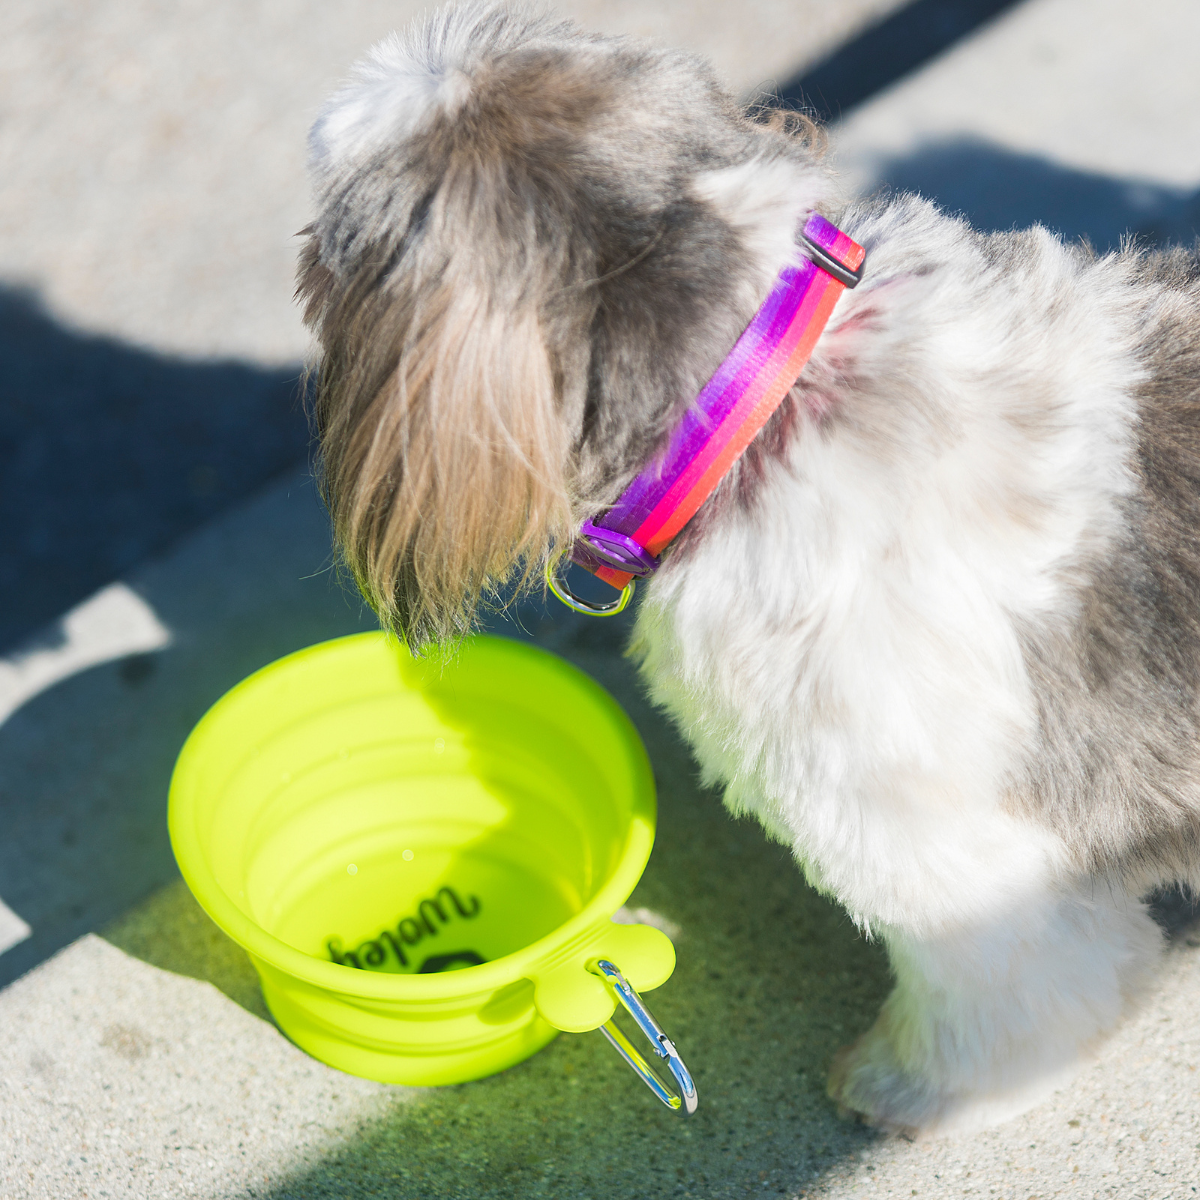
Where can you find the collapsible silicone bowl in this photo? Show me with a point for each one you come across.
(422, 860)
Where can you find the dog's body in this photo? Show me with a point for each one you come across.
(939, 629)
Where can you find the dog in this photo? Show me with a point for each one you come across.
(937, 628)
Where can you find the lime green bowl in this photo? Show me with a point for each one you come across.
(422, 862)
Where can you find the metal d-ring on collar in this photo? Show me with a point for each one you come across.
(578, 603)
(682, 1098)
(607, 548)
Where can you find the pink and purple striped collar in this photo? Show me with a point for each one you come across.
(626, 542)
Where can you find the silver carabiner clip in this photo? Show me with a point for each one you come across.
(683, 1097)
(580, 605)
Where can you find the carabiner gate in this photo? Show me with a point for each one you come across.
(681, 1098)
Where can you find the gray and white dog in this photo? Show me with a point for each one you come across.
(938, 630)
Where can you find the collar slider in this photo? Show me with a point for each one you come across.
(830, 265)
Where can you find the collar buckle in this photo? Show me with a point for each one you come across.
(613, 549)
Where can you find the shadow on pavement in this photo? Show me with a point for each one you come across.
(884, 53)
(109, 453)
(771, 979)
(169, 930)
(996, 189)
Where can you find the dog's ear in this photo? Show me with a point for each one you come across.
(443, 447)
(434, 279)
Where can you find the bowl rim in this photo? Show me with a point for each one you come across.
(526, 962)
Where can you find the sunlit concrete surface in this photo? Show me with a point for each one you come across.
(150, 183)
(114, 623)
(13, 928)
(126, 1081)
(152, 154)
(109, 694)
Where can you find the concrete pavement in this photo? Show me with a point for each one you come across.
(141, 1063)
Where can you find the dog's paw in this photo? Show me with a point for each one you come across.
(867, 1083)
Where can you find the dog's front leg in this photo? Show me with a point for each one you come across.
(986, 1020)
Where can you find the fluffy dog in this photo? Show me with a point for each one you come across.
(938, 629)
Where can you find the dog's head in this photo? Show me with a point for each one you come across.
(532, 247)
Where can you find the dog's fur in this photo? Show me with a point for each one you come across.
(939, 629)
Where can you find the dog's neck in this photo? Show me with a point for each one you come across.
(627, 542)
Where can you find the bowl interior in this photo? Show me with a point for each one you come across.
(398, 817)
